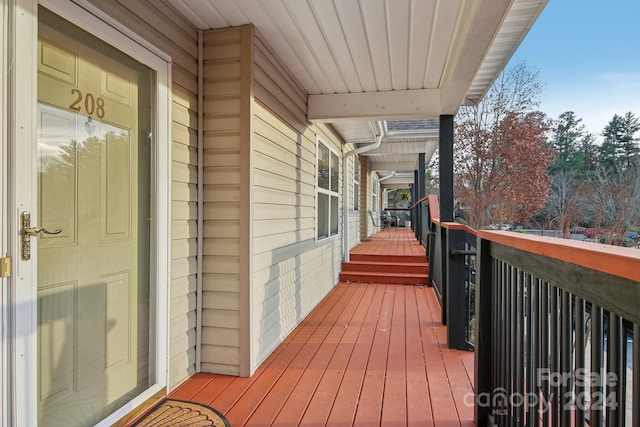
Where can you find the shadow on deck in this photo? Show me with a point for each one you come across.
(368, 354)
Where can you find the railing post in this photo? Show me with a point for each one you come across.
(444, 258)
(456, 276)
(483, 332)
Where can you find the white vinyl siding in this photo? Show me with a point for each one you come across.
(158, 23)
(291, 273)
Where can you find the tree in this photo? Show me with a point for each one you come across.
(620, 145)
(614, 200)
(501, 156)
(565, 204)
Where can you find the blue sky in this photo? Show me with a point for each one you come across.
(587, 53)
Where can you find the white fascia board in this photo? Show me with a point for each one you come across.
(374, 106)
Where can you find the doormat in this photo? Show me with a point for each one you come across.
(178, 413)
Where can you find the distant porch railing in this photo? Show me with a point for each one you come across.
(556, 322)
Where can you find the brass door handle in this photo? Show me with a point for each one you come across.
(33, 231)
(28, 231)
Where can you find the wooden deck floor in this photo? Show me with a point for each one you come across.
(367, 355)
(393, 241)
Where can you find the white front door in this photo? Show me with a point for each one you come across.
(89, 256)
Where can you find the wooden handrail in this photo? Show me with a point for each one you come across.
(419, 201)
(434, 208)
(458, 226)
(614, 260)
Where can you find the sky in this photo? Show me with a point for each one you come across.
(587, 54)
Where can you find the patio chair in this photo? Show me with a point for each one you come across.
(392, 219)
(384, 221)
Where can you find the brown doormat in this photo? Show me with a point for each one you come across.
(178, 413)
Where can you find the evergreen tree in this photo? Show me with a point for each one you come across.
(567, 133)
(569, 169)
(619, 149)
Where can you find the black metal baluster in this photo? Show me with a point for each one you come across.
(596, 413)
(636, 375)
(566, 356)
(535, 350)
(553, 352)
(614, 378)
(544, 349)
(579, 361)
(512, 370)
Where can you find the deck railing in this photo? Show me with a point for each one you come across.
(557, 332)
(452, 273)
(556, 322)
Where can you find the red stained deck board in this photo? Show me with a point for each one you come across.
(397, 241)
(369, 354)
(418, 408)
(325, 393)
(348, 396)
(243, 408)
(370, 406)
(273, 403)
(459, 379)
(236, 389)
(395, 387)
(189, 389)
(448, 400)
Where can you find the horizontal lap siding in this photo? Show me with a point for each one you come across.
(161, 26)
(291, 273)
(223, 201)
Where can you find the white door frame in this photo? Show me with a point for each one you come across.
(22, 193)
(4, 283)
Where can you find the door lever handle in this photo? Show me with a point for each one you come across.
(28, 231)
(33, 231)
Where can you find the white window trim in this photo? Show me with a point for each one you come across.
(90, 18)
(356, 195)
(375, 194)
(330, 193)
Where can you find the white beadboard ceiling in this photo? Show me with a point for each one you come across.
(378, 60)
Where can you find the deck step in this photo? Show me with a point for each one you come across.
(386, 267)
(394, 269)
(389, 258)
(391, 278)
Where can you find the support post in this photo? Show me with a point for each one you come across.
(446, 168)
(416, 210)
(413, 200)
(420, 194)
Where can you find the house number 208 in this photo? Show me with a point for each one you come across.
(91, 103)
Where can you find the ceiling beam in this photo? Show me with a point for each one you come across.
(373, 106)
(401, 148)
(397, 182)
(394, 166)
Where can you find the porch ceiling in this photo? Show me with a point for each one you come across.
(380, 60)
